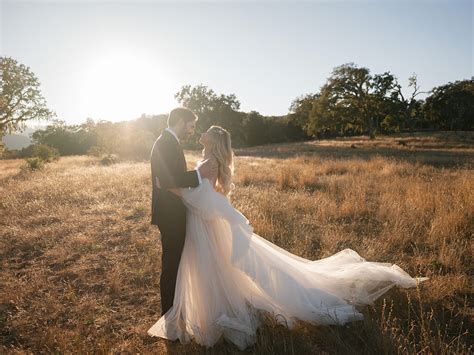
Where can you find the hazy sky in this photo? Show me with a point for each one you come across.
(115, 60)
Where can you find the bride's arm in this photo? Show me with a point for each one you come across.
(174, 190)
(177, 192)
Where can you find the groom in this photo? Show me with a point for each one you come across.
(168, 166)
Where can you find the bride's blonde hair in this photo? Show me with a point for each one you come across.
(221, 149)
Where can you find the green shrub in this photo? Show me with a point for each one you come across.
(45, 152)
(32, 164)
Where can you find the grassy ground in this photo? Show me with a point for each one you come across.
(80, 262)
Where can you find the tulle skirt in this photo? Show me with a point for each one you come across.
(228, 273)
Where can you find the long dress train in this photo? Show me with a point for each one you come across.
(227, 273)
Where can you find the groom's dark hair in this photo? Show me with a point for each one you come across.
(181, 113)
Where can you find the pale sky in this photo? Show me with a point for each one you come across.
(116, 60)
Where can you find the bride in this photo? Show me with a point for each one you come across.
(228, 273)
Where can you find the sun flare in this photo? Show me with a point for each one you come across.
(124, 84)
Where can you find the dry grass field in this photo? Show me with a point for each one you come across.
(80, 262)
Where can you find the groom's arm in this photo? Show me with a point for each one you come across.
(168, 171)
(208, 170)
(186, 179)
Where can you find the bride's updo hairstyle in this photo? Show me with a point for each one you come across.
(222, 151)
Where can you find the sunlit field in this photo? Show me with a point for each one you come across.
(80, 262)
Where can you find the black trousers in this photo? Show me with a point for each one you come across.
(172, 227)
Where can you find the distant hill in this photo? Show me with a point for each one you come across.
(16, 141)
(21, 139)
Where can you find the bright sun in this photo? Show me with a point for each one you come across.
(120, 85)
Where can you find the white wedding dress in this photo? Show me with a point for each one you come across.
(227, 273)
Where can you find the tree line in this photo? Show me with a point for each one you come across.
(353, 101)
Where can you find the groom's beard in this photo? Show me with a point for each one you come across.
(187, 136)
(182, 136)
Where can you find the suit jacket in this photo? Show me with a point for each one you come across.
(169, 165)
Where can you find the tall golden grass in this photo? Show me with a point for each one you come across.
(80, 262)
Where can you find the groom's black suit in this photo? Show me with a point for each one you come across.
(168, 211)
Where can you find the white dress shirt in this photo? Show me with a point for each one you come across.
(175, 136)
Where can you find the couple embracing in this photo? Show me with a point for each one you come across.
(218, 275)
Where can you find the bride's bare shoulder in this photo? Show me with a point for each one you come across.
(211, 160)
